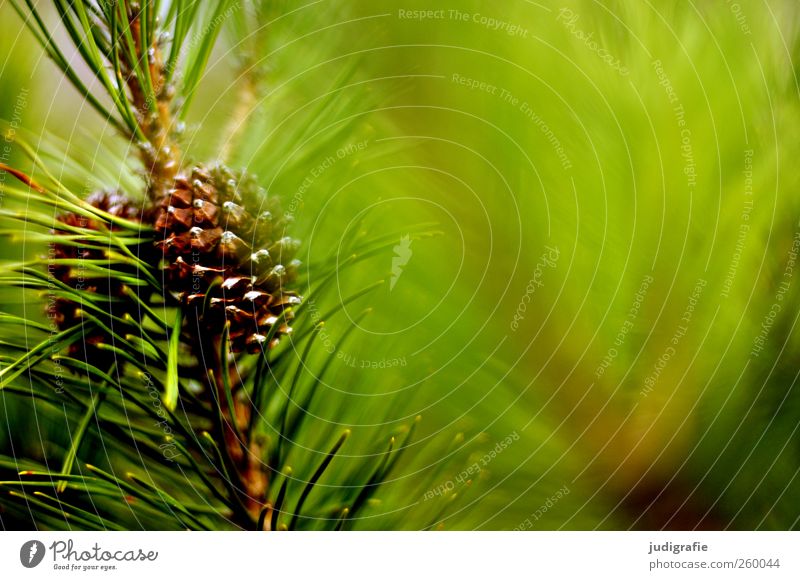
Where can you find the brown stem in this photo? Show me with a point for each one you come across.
(161, 155)
(243, 457)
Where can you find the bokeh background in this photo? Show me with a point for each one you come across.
(593, 299)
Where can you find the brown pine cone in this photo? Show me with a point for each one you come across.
(226, 256)
(65, 312)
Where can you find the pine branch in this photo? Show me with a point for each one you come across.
(170, 326)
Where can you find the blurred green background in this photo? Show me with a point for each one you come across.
(611, 289)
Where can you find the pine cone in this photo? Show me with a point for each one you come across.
(226, 256)
(65, 312)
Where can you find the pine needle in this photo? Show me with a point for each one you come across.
(315, 478)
